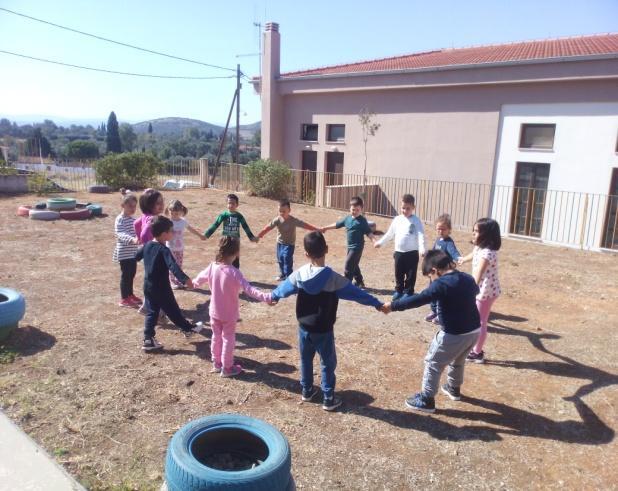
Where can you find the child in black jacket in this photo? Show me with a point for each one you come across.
(158, 294)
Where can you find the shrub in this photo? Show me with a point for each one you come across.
(83, 149)
(39, 183)
(128, 170)
(268, 178)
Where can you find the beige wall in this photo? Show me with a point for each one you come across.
(440, 133)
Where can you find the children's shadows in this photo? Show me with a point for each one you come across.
(250, 341)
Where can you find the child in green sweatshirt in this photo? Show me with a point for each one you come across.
(232, 221)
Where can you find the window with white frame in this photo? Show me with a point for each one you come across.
(335, 132)
(309, 132)
(537, 136)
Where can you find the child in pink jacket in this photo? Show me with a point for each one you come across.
(226, 282)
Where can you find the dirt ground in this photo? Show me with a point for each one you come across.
(541, 413)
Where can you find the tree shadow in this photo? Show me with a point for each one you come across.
(251, 341)
(264, 286)
(29, 340)
(506, 317)
(202, 350)
(505, 420)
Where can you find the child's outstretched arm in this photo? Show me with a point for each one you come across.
(247, 230)
(214, 226)
(347, 291)
(451, 250)
(390, 233)
(265, 230)
(430, 294)
(465, 259)
(337, 224)
(195, 232)
(254, 292)
(203, 277)
(172, 265)
(286, 288)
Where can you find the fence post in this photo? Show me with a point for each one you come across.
(584, 222)
(204, 173)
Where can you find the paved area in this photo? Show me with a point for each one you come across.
(25, 466)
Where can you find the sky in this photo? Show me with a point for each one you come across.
(313, 34)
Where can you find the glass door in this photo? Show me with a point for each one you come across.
(610, 230)
(529, 199)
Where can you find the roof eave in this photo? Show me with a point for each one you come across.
(535, 61)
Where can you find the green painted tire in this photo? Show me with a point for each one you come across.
(97, 210)
(58, 204)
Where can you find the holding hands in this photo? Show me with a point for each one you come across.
(386, 308)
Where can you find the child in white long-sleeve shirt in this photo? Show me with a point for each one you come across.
(407, 229)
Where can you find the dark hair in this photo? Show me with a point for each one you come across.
(488, 234)
(148, 200)
(284, 202)
(127, 197)
(357, 201)
(436, 259)
(233, 197)
(160, 225)
(176, 205)
(445, 219)
(315, 244)
(408, 199)
(228, 246)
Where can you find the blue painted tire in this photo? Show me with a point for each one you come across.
(58, 204)
(227, 432)
(96, 210)
(12, 310)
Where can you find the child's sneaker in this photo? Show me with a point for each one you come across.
(453, 392)
(436, 320)
(215, 368)
(232, 371)
(197, 328)
(431, 316)
(331, 403)
(150, 344)
(142, 309)
(279, 278)
(126, 302)
(476, 357)
(136, 300)
(178, 286)
(308, 394)
(360, 284)
(419, 402)
(397, 296)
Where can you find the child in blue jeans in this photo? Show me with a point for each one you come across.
(319, 289)
(455, 293)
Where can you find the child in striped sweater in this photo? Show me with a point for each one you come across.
(124, 252)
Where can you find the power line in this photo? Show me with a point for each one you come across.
(114, 71)
(126, 45)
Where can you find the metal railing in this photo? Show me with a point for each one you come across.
(585, 220)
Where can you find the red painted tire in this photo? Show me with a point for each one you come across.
(24, 210)
(81, 214)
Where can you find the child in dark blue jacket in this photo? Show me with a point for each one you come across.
(455, 294)
(319, 289)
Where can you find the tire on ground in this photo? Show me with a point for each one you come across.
(23, 210)
(99, 188)
(12, 310)
(96, 210)
(81, 214)
(183, 470)
(61, 204)
(44, 215)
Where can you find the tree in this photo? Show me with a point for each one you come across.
(112, 140)
(150, 128)
(83, 149)
(369, 128)
(38, 146)
(256, 140)
(127, 137)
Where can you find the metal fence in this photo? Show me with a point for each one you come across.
(585, 220)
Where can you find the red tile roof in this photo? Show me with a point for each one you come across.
(514, 52)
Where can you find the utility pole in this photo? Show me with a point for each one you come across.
(237, 112)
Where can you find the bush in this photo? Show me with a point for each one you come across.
(268, 178)
(128, 170)
(83, 149)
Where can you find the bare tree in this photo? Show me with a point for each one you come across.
(369, 128)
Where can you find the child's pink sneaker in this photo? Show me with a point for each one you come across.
(232, 371)
(136, 300)
(126, 302)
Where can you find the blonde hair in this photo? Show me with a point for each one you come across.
(176, 205)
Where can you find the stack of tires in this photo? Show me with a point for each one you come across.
(228, 452)
(65, 208)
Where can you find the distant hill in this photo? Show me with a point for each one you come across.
(177, 126)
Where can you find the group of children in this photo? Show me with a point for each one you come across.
(460, 303)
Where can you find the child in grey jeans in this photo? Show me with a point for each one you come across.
(455, 294)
